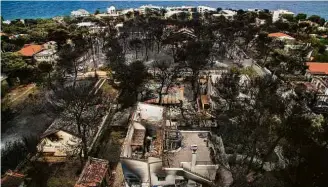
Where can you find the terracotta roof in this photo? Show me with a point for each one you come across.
(318, 67)
(93, 173)
(30, 49)
(278, 35)
(12, 179)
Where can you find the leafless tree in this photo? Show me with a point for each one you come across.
(166, 73)
(84, 107)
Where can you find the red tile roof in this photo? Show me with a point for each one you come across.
(30, 49)
(93, 173)
(318, 67)
(278, 35)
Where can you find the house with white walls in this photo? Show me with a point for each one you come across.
(48, 54)
(156, 153)
(62, 138)
(59, 140)
(80, 13)
(277, 14)
(228, 14)
(203, 9)
(318, 73)
(111, 10)
(142, 9)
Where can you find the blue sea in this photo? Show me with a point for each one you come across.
(46, 9)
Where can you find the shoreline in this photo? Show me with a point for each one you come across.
(12, 10)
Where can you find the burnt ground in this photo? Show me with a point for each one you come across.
(31, 117)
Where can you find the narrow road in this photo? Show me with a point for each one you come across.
(22, 94)
(247, 61)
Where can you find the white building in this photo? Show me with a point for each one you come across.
(7, 22)
(171, 13)
(259, 22)
(203, 9)
(322, 28)
(111, 10)
(143, 8)
(318, 72)
(50, 45)
(228, 14)
(125, 11)
(47, 55)
(86, 24)
(80, 13)
(59, 144)
(62, 138)
(278, 13)
(156, 153)
(182, 8)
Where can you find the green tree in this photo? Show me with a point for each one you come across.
(163, 11)
(70, 59)
(288, 17)
(46, 67)
(97, 12)
(131, 80)
(240, 12)
(183, 16)
(300, 16)
(13, 65)
(60, 36)
(315, 18)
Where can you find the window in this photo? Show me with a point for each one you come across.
(161, 178)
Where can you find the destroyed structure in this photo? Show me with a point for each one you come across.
(156, 153)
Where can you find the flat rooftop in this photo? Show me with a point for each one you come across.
(184, 154)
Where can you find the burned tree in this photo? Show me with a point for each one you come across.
(166, 73)
(83, 106)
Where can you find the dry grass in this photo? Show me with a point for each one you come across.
(108, 89)
(19, 94)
